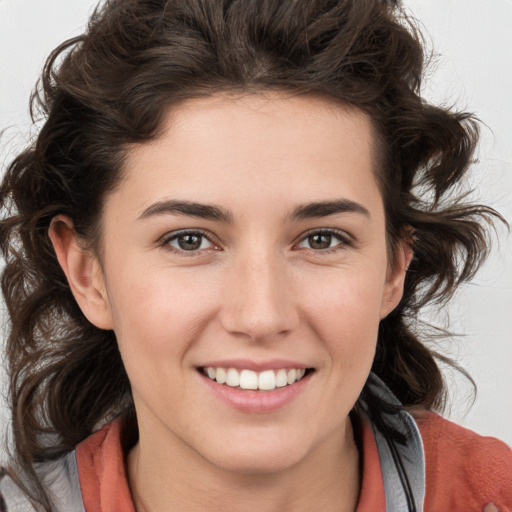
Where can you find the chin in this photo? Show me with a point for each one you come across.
(258, 463)
(255, 458)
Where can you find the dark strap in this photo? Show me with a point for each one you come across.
(3, 506)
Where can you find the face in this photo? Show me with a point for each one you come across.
(247, 243)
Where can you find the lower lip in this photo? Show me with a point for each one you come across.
(257, 401)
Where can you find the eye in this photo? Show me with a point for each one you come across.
(324, 240)
(188, 241)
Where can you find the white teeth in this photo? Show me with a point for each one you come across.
(267, 380)
(249, 379)
(281, 378)
(233, 378)
(292, 375)
(219, 375)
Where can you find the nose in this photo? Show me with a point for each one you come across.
(259, 302)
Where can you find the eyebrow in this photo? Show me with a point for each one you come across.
(189, 208)
(325, 208)
(211, 212)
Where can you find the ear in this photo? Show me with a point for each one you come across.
(83, 272)
(395, 279)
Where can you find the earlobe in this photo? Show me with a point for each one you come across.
(83, 272)
(395, 280)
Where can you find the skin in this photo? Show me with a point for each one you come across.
(257, 288)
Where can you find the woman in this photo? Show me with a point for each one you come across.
(216, 251)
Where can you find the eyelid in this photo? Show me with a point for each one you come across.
(165, 240)
(346, 240)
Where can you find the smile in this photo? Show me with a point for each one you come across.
(251, 380)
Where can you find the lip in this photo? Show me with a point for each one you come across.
(257, 402)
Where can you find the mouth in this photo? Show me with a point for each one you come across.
(245, 379)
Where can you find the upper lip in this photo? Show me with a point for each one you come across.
(257, 366)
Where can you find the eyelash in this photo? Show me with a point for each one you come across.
(165, 242)
(343, 238)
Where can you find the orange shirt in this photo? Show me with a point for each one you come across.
(102, 471)
(464, 471)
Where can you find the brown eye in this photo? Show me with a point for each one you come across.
(320, 241)
(188, 241)
(323, 240)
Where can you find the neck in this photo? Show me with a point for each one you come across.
(326, 480)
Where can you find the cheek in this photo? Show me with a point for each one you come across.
(158, 315)
(346, 315)
(353, 296)
(345, 318)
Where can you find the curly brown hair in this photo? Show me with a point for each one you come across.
(111, 87)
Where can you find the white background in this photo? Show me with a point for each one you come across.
(471, 68)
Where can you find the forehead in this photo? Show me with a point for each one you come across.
(257, 145)
(254, 119)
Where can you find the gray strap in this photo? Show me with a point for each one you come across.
(411, 455)
(15, 500)
(62, 483)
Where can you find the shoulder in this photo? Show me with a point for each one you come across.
(462, 467)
